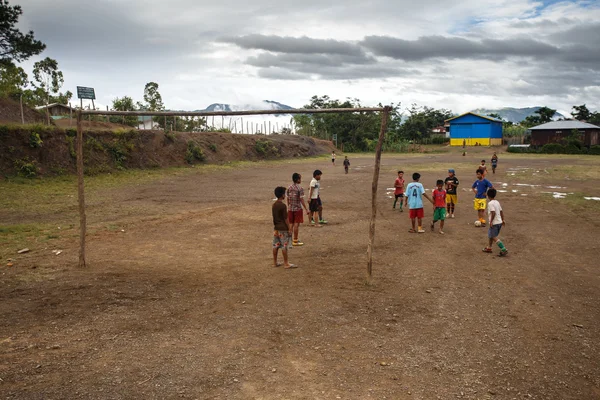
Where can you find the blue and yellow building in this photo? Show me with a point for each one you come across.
(473, 129)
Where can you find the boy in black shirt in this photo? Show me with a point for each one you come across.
(451, 183)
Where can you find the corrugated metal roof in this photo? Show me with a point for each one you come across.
(477, 115)
(572, 124)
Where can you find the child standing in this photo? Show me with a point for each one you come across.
(346, 164)
(451, 194)
(494, 163)
(414, 193)
(315, 206)
(399, 189)
(333, 158)
(480, 188)
(295, 202)
(281, 229)
(496, 218)
(439, 206)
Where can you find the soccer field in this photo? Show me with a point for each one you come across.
(180, 299)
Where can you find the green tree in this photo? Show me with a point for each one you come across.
(14, 45)
(581, 113)
(13, 80)
(124, 103)
(496, 115)
(421, 121)
(152, 98)
(595, 118)
(541, 116)
(47, 78)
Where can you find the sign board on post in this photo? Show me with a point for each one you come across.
(335, 139)
(86, 93)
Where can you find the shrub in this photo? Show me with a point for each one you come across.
(213, 147)
(94, 144)
(521, 150)
(194, 152)
(170, 137)
(552, 148)
(26, 168)
(71, 143)
(594, 150)
(35, 140)
(264, 148)
(71, 132)
(572, 149)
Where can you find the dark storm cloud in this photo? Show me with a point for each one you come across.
(294, 45)
(320, 60)
(579, 34)
(455, 48)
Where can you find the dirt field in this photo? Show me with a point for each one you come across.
(180, 299)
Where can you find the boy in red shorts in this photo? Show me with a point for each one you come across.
(295, 202)
(414, 201)
(399, 189)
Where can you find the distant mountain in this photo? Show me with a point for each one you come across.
(263, 105)
(513, 114)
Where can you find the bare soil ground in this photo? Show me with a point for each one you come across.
(180, 299)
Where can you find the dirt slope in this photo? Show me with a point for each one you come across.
(10, 113)
(52, 151)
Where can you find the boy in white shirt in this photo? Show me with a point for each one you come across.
(315, 206)
(496, 220)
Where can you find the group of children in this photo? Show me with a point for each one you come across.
(287, 218)
(444, 199)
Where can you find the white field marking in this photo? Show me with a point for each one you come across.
(388, 193)
(502, 191)
(390, 197)
(526, 184)
(592, 198)
(390, 188)
(557, 195)
(504, 184)
(514, 190)
(555, 187)
(523, 194)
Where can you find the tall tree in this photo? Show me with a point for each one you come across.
(581, 113)
(152, 97)
(14, 45)
(47, 78)
(541, 116)
(13, 80)
(422, 120)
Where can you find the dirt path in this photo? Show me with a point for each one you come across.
(184, 303)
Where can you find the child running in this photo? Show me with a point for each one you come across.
(281, 225)
(494, 163)
(346, 164)
(295, 202)
(399, 190)
(480, 188)
(483, 167)
(333, 158)
(439, 206)
(451, 193)
(496, 218)
(414, 191)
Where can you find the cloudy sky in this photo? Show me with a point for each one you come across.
(456, 54)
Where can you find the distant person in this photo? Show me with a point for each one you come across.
(480, 188)
(399, 190)
(333, 158)
(295, 202)
(414, 201)
(464, 144)
(439, 206)
(316, 206)
(496, 219)
(494, 163)
(281, 229)
(483, 167)
(451, 193)
(346, 164)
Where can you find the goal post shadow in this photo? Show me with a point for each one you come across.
(384, 111)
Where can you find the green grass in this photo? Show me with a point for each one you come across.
(33, 236)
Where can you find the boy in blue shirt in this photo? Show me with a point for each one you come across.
(480, 188)
(413, 194)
